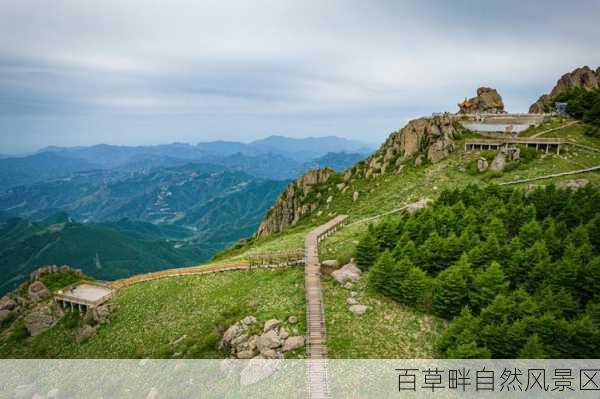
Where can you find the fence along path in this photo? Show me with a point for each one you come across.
(317, 373)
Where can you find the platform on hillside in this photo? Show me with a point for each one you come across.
(83, 295)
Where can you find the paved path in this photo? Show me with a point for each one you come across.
(554, 129)
(317, 374)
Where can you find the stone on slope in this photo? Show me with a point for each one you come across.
(349, 272)
(351, 301)
(271, 325)
(499, 162)
(359, 310)
(293, 343)
(38, 292)
(482, 164)
(7, 303)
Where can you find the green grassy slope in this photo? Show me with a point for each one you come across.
(150, 316)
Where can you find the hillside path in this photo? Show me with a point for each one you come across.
(317, 373)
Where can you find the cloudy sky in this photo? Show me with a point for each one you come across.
(76, 72)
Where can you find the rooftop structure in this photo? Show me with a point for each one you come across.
(84, 296)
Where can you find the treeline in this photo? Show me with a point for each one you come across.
(585, 105)
(518, 275)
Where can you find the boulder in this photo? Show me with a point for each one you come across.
(101, 313)
(7, 303)
(293, 343)
(419, 160)
(283, 333)
(85, 333)
(248, 320)
(348, 285)
(332, 263)
(38, 292)
(5, 315)
(271, 354)
(482, 164)
(42, 318)
(358, 310)
(271, 325)
(487, 101)
(573, 184)
(415, 206)
(349, 272)
(292, 320)
(246, 354)
(355, 196)
(351, 301)
(499, 162)
(269, 340)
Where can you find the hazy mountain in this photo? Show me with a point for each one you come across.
(38, 167)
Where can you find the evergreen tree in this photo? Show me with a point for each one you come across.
(380, 272)
(367, 250)
(533, 349)
(486, 285)
(452, 289)
(416, 287)
(530, 233)
(469, 351)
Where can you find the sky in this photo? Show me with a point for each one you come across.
(135, 72)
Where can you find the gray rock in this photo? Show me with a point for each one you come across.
(283, 333)
(38, 291)
(419, 160)
(482, 164)
(348, 285)
(355, 196)
(499, 162)
(349, 272)
(351, 301)
(85, 333)
(7, 303)
(233, 332)
(271, 325)
(269, 340)
(4, 315)
(359, 310)
(293, 343)
(249, 320)
(329, 263)
(271, 354)
(292, 320)
(42, 318)
(415, 206)
(573, 184)
(247, 354)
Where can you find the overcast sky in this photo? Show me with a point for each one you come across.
(147, 72)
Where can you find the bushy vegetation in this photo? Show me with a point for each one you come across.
(585, 105)
(518, 275)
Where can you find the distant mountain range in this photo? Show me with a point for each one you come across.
(190, 201)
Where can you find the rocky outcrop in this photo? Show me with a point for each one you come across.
(573, 184)
(349, 272)
(499, 162)
(292, 205)
(274, 341)
(584, 77)
(38, 292)
(487, 101)
(431, 137)
(42, 318)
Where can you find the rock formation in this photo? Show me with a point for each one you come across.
(487, 101)
(292, 204)
(271, 344)
(432, 137)
(583, 77)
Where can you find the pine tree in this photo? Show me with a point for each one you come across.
(469, 351)
(486, 285)
(380, 272)
(533, 349)
(367, 251)
(452, 289)
(530, 233)
(416, 287)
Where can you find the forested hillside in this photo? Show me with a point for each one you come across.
(518, 274)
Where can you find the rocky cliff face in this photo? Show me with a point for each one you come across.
(487, 101)
(424, 137)
(583, 77)
(294, 203)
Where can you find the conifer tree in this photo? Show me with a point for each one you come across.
(486, 285)
(533, 349)
(367, 251)
(452, 289)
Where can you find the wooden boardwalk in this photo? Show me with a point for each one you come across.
(317, 374)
